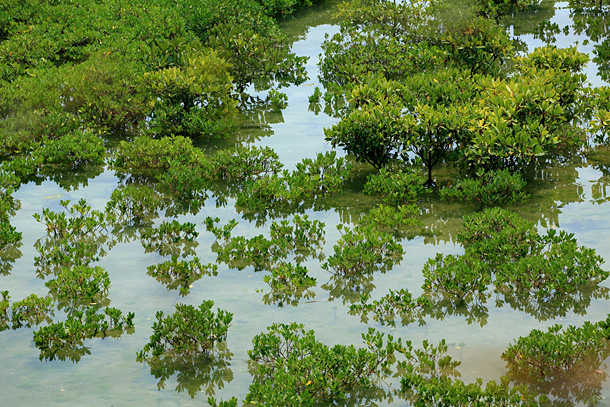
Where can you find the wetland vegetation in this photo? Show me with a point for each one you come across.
(418, 217)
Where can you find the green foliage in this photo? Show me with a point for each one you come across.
(396, 187)
(559, 266)
(80, 284)
(489, 188)
(289, 283)
(32, 310)
(167, 68)
(65, 340)
(243, 163)
(54, 254)
(4, 306)
(169, 236)
(374, 134)
(181, 274)
(444, 392)
(302, 240)
(9, 237)
(572, 349)
(71, 151)
(363, 250)
(464, 276)
(189, 331)
(220, 233)
(81, 222)
(145, 153)
(398, 220)
(497, 235)
(193, 99)
(313, 178)
(134, 204)
(427, 381)
(283, 7)
(292, 368)
(392, 305)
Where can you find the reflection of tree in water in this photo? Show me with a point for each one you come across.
(401, 307)
(473, 310)
(526, 21)
(351, 288)
(72, 351)
(559, 306)
(72, 180)
(567, 389)
(194, 373)
(7, 258)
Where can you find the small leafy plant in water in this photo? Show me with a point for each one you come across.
(559, 350)
(463, 277)
(80, 284)
(401, 220)
(292, 368)
(32, 310)
(313, 179)
(65, 340)
(188, 331)
(388, 308)
(302, 239)
(363, 250)
(396, 187)
(167, 238)
(500, 187)
(289, 283)
(181, 274)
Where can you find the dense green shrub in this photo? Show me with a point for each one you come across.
(312, 179)
(489, 188)
(72, 151)
(400, 220)
(363, 250)
(292, 368)
(396, 187)
(65, 340)
(497, 236)
(193, 99)
(188, 331)
(243, 163)
(571, 349)
(80, 284)
(560, 266)
(461, 276)
(289, 283)
(181, 274)
(400, 303)
(144, 153)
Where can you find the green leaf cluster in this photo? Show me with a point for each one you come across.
(491, 188)
(181, 274)
(65, 340)
(187, 332)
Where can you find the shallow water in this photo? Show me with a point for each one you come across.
(571, 197)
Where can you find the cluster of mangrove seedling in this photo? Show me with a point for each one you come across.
(288, 282)
(292, 368)
(192, 342)
(505, 249)
(74, 240)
